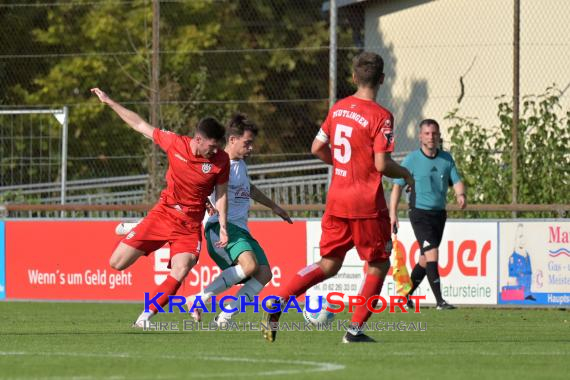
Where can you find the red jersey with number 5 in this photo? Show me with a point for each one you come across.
(356, 129)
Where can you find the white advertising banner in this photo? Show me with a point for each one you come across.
(534, 265)
(467, 264)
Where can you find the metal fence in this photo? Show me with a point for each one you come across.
(33, 151)
(286, 182)
(271, 60)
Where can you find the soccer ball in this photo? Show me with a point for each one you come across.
(321, 317)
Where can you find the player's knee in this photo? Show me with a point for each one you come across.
(116, 263)
(378, 268)
(180, 271)
(332, 271)
(248, 264)
(330, 268)
(422, 261)
(431, 255)
(249, 267)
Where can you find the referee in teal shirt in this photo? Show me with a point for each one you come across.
(433, 171)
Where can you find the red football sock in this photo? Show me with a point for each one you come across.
(303, 280)
(372, 287)
(169, 287)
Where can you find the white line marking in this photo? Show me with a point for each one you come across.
(312, 366)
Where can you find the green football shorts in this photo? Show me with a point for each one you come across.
(239, 241)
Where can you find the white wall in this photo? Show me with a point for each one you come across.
(429, 45)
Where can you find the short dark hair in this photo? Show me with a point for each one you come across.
(429, 122)
(210, 128)
(368, 68)
(239, 124)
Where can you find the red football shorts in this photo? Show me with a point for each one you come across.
(163, 225)
(371, 237)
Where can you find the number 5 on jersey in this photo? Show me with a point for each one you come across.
(341, 139)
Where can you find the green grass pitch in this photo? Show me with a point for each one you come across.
(87, 341)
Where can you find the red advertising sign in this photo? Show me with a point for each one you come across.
(69, 260)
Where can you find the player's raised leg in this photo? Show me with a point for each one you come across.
(124, 256)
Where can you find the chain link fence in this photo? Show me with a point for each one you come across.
(269, 59)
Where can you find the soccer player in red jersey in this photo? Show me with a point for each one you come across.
(356, 139)
(196, 167)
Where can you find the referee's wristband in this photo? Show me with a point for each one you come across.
(460, 195)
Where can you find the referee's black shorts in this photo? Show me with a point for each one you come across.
(428, 227)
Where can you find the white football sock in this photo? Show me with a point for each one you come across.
(125, 227)
(250, 289)
(228, 278)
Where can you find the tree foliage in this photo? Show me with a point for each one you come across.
(543, 157)
(217, 57)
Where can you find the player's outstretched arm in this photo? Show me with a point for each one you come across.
(222, 207)
(132, 119)
(258, 196)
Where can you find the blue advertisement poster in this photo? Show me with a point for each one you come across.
(2, 262)
(534, 263)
